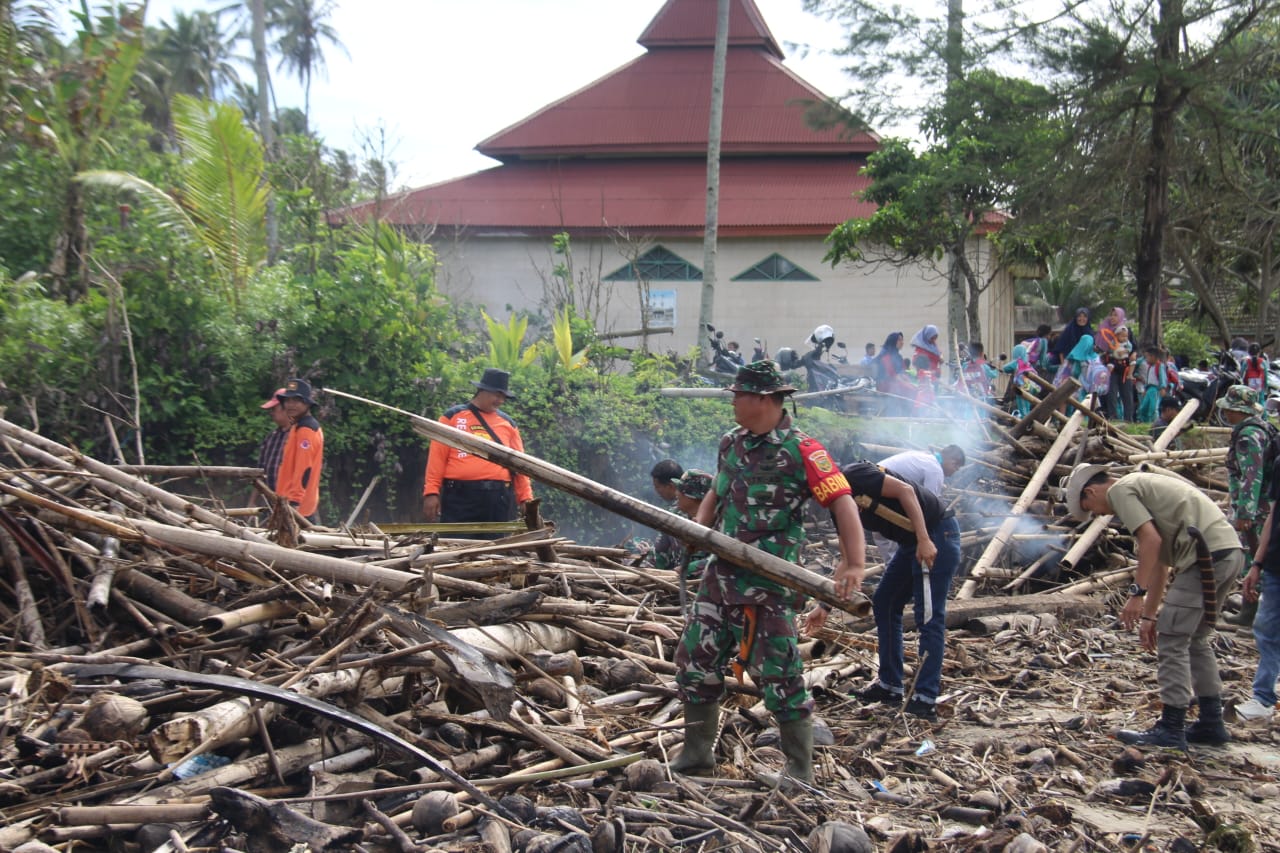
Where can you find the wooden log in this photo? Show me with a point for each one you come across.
(1049, 403)
(702, 538)
(30, 625)
(996, 547)
(193, 471)
(103, 573)
(1208, 455)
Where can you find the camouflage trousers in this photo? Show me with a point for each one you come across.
(713, 638)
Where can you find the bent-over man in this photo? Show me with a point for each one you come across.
(1167, 598)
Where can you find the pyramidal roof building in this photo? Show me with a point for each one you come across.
(620, 165)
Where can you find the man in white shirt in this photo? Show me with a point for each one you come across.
(926, 470)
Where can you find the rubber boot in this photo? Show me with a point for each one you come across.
(797, 745)
(1209, 728)
(1244, 616)
(1168, 732)
(698, 755)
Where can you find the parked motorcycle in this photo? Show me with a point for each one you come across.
(723, 360)
(1208, 385)
(817, 361)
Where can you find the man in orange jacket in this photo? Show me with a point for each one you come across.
(298, 480)
(462, 487)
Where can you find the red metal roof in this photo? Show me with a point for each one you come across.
(660, 104)
(758, 195)
(692, 23)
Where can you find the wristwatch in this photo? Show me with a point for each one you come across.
(1136, 591)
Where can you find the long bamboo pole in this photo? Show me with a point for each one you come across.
(997, 544)
(738, 553)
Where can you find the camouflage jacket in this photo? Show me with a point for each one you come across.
(1245, 470)
(761, 484)
(668, 551)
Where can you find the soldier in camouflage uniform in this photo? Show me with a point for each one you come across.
(1246, 470)
(668, 551)
(767, 470)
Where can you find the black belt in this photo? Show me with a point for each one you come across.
(478, 485)
(1222, 554)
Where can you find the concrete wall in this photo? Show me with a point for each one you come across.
(862, 302)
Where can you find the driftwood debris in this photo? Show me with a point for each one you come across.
(365, 691)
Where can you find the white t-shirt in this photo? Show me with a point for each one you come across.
(917, 467)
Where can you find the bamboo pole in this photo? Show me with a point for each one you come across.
(127, 481)
(997, 544)
(738, 553)
(193, 471)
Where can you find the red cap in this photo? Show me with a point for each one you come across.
(274, 401)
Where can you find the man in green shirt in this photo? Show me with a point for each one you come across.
(1166, 600)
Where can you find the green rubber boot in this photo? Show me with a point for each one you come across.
(698, 755)
(797, 745)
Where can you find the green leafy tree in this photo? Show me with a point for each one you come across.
(222, 202)
(70, 108)
(930, 205)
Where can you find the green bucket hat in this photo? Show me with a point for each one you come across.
(761, 377)
(694, 484)
(1241, 398)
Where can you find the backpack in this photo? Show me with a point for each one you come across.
(1096, 378)
(1033, 349)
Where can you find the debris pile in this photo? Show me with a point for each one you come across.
(177, 681)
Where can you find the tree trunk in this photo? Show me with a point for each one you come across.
(67, 268)
(957, 309)
(706, 308)
(1149, 264)
(258, 10)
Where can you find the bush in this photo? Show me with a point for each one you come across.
(1183, 340)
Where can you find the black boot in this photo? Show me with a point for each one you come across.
(1209, 729)
(1244, 616)
(1167, 733)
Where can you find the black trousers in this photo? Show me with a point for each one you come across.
(477, 500)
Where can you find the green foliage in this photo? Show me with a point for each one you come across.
(1181, 338)
(562, 330)
(44, 359)
(505, 342)
(223, 199)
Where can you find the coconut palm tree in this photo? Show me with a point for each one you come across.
(196, 51)
(300, 28)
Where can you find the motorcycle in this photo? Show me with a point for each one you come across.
(723, 360)
(820, 375)
(1209, 384)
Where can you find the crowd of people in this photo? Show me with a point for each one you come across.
(1190, 552)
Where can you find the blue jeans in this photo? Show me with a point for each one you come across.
(903, 581)
(1266, 631)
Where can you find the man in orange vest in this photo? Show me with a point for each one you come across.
(461, 487)
(298, 479)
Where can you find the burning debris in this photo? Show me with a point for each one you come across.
(178, 680)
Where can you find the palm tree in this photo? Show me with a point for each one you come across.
(197, 53)
(300, 27)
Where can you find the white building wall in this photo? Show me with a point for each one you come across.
(862, 302)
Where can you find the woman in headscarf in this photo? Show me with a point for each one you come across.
(1071, 334)
(1019, 367)
(1086, 368)
(1104, 342)
(889, 372)
(927, 361)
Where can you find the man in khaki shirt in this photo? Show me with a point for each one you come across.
(1166, 600)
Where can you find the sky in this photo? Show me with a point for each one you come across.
(435, 77)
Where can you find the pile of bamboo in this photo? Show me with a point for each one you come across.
(177, 680)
